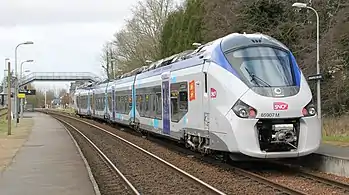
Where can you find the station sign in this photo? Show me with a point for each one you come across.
(28, 92)
(21, 95)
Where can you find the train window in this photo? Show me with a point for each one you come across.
(110, 101)
(121, 104)
(125, 103)
(174, 105)
(179, 101)
(183, 101)
(146, 105)
(141, 107)
(159, 106)
(129, 103)
(117, 108)
(153, 105)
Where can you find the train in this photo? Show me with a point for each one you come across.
(241, 95)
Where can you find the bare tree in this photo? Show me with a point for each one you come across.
(139, 40)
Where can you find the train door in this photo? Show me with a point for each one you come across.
(133, 99)
(93, 103)
(166, 124)
(78, 102)
(113, 103)
(88, 103)
(207, 95)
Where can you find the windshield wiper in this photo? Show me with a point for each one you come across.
(254, 77)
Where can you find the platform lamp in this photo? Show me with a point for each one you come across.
(21, 77)
(303, 5)
(16, 80)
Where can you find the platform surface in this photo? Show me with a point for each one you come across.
(334, 151)
(47, 164)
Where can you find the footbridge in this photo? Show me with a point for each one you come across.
(58, 76)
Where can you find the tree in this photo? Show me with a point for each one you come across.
(139, 40)
(182, 28)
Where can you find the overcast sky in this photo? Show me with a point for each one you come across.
(68, 35)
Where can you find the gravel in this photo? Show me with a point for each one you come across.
(223, 179)
(147, 174)
(331, 176)
(298, 182)
(226, 180)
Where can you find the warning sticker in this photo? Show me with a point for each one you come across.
(191, 90)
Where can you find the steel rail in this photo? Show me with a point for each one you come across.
(109, 162)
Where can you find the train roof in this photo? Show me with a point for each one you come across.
(192, 57)
(228, 42)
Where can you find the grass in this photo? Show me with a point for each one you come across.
(10, 144)
(67, 110)
(3, 122)
(336, 130)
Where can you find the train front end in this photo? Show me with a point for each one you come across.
(274, 117)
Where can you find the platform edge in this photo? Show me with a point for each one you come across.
(88, 168)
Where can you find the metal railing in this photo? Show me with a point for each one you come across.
(58, 76)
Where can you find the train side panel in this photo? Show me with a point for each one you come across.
(123, 100)
(187, 93)
(149, 103)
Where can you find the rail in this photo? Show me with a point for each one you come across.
(107, 160)
(182, 172)
(3, 114)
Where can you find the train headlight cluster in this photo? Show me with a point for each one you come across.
(309, 110)
(243, 110)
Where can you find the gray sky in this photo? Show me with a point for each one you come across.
(68, 35)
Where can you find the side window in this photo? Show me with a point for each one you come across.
(138, 103)
(129, 106)
(174, 105)
(179, 101)
(146, 105)
(142, 104)
(117, 100)
(110, 102)
(153, 105)
(159, 106)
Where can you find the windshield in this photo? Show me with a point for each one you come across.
(263, 66)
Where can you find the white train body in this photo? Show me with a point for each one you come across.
(240, 94)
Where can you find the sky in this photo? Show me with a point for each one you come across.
(68, 35)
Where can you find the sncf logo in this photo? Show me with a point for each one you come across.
(280, 106)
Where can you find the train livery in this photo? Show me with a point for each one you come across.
(241, 94)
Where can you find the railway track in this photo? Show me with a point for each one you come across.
(2, 113)
(108, 174)
(308, 175)
(146, 173)
(277, 188)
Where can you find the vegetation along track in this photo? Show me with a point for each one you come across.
(230, 179)
(148, 173)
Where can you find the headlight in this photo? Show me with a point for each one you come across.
(243, 110)
(309, 109)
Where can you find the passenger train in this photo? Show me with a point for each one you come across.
(242, 94)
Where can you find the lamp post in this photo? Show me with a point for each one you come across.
(21, 68)
(303, 5)
(16, 80)
(21, 77)
(5, 71)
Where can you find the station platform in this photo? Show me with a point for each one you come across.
(49, 163)
(341, 152)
